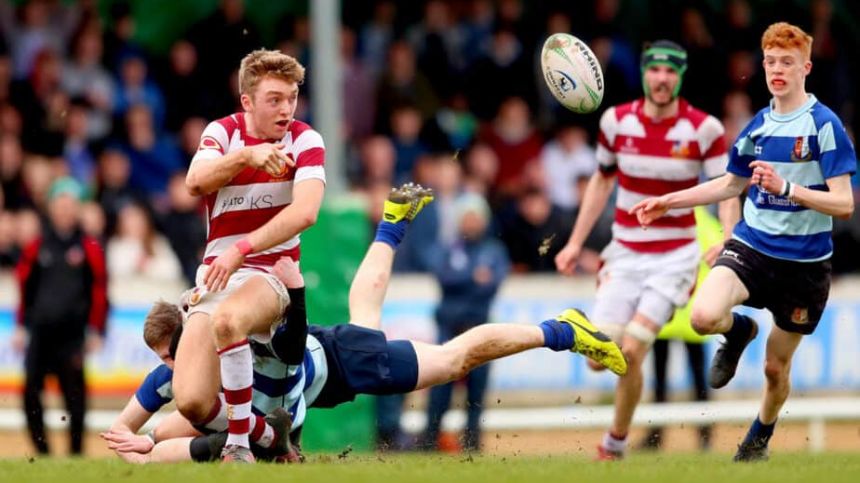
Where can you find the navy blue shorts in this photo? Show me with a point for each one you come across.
(363, 361)
(794, 292)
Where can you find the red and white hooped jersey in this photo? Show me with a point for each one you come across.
(654, 158)
(253, 197)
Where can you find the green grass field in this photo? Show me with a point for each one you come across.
(716, 468)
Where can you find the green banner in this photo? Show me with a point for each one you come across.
(331, 252)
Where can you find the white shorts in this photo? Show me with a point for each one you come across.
(652, 284)
(203, 301)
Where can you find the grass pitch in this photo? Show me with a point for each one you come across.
(669, 468)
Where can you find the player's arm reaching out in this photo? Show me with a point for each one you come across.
(211, 175)
(289, 222)
(838, 201)
(718, 189)
(593, 202)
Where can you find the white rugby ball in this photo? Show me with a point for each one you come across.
(572, 73)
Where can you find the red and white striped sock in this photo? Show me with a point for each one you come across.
(260, 431)
(237, 376)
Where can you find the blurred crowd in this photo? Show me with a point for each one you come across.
(442, 92)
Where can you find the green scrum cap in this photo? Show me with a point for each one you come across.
(664, 52)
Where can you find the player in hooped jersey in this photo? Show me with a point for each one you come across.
(261, 175)
(652, 146)
(336, 363)
(797, 160)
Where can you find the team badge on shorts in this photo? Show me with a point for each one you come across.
(195, 296)
(800, 316)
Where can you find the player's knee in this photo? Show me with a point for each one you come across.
(192, 408)
(704, 320)
(227, 326)
(776, 370)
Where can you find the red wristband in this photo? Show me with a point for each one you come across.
(244, 247)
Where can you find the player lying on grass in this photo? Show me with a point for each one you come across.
(345, 360)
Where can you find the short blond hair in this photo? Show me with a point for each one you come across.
(161, 322)
(787, 36)
(263, 63)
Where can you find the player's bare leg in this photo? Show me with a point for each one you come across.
(370, 283)
(628, 390)
(438, 364)
(781, 346)
(196, 373)
(713, 314)
(249, 310)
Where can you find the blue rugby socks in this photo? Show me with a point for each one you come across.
(391, 233)
(759, 433)
(557, 336)
(741, 328)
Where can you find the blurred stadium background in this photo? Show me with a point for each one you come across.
(116, 93)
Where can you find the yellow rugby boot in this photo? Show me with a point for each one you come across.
(405, 202)
(592, 343)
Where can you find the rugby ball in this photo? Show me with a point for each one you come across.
(572, 73)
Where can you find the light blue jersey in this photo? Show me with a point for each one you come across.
(276, 384)
(806, 147)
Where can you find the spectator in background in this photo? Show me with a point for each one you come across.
(437, 226)
(85, 77)
(377, 161)
(469, 271)
(5, 75)
(119, 41)
(11, 176)
(9, 251)
(37, 175)
(568, 162)
(222, 39)
(28, 227)
(452, 127)
(62, 313)
(93, 221)
(535, 233)
(503, 72)
(402, 83)
(185, 91)
(114, 191)
(77, 150)
(184, 227)
(137, 250)
(36, 26)
(437, 43)
(516, 142)
(482, 167)
(737, 112)
(376, 36)
(406, 125)
(10, 120)
(189, 138)
(42, 105)
(359, 105)
(136, 89)
(153, 157)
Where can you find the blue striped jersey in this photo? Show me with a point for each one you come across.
(276, 384)
(806, 147)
